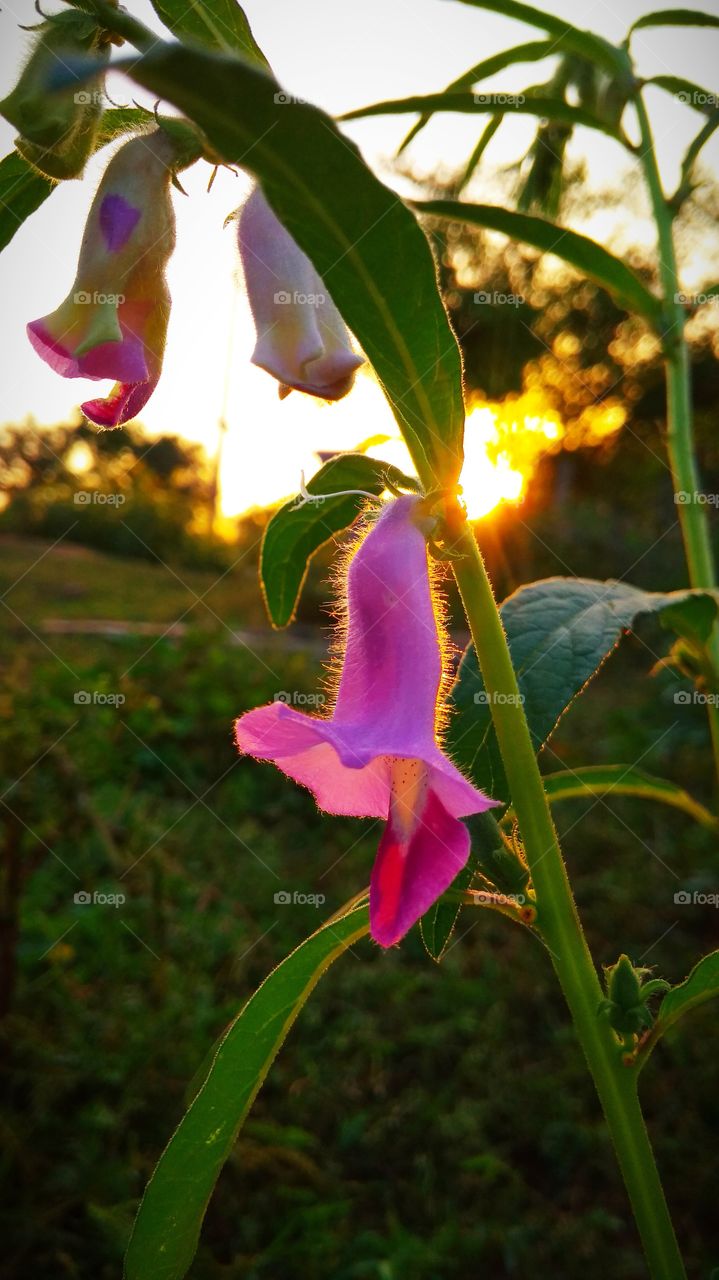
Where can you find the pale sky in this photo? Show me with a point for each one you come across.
(339, 55)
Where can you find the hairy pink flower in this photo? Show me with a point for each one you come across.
(302, 339)
(113, 324)
(378, 754)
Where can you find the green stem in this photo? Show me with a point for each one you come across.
(681, 447)
(558, 920)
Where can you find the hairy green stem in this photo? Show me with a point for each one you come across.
(558, 920)
(693, 517)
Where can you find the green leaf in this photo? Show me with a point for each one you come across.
(692, 95)
(547, 108)
(579, 251)
(691, 156)
(23, 189)
(532, 51)
(364, 242)
(624, 780)
(560, 631)
(483, 142)
(675, 18)
(438, 924)
(218, 24)
(701, 985)
(692, 618)
(168, 1224)
(295, 533)
(574, 40)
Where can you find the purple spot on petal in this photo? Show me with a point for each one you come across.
(118, 219)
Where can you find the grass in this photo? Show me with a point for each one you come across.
(423, 1121)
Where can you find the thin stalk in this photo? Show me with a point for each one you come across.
(681, 449)
(558, 919)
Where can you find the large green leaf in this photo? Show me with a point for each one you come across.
(560, 631)
(701, 985)
(219, 24)
(365, 243)
(675, 18)
(295, 532)
(168, 1224)
(23, 189)
(573, 39)
(547, 108)
(624, 780)
(579, 251)
(531, 51)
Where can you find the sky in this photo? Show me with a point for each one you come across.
(338, 55)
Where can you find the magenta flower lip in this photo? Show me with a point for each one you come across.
(378, 754)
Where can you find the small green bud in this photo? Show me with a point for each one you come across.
(495, 858)
(57, 126)
(623, 984)
(627, 995)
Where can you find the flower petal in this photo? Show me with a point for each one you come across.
(122, 404)
(310, 750)
(411, 871)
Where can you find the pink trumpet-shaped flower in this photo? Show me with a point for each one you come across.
(113, 324)
(378, 755)
(302, 339)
